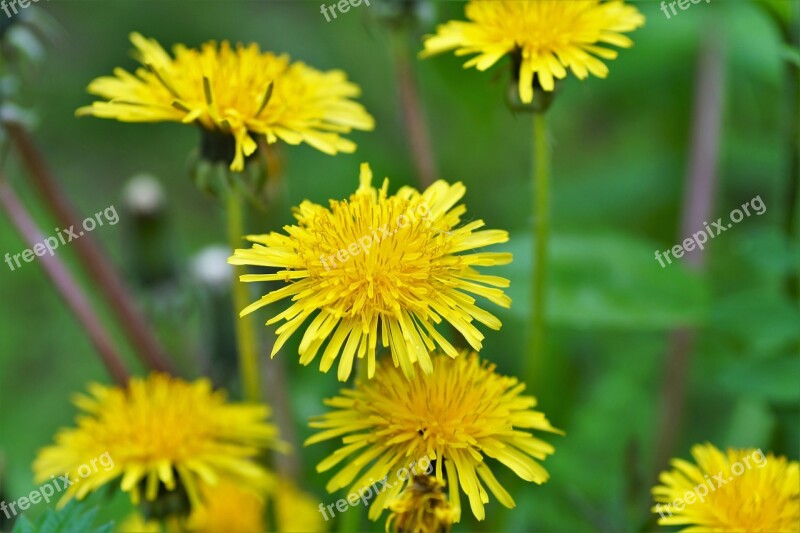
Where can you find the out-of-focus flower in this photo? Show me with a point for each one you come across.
(296, 511)
(421, 508)
(228, 507)
(162, 436)
(735, 490)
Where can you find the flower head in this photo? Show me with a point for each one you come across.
(240, 92)
(296, 511)
(421, 508)
(228, 508)
(457, 417)
(735, 490)
(160, 435)
(545, 37)
(379, 266)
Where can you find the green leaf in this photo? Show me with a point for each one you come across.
(769, 379)
(792, 55)
(73, 518)
(751, 424)
(23, 525)
(607, 281)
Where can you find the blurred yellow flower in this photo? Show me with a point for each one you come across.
(160, 435)
(735, 490)
(136, 523)
(457, 416)
(379, 266)
(296, 511)
(241, 92)
(421, 508)
(544, 37)
(227, 508)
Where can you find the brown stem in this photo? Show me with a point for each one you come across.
(411, 106)
(92, 258)
(65, 284)
(698, 200)
(277, 393)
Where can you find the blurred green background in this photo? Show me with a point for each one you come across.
(620, 163)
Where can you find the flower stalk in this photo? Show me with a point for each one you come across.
(246, 343)
(416, 126)
(540, 247)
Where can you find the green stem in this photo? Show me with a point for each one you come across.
(541, 236)
(245, 334)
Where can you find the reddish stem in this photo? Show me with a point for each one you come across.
(94, 261)
(64, 283)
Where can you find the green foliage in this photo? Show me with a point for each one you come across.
(608, 281)
(72, 518)
(620, 149)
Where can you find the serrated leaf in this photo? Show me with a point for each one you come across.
(23, 525)
(73, 518)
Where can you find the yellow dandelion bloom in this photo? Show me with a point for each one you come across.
(421, 508)
(735, 490)
(241, 92)
(296, 511)
(136, 523)
(544, 37)
(457, 416)
(379, 266)
(227, 507)
(160, 434)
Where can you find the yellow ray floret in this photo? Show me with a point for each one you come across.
(239, 91)
(548, 37)
(734, 490)
(446, 424)
(159, 433)
(379, 267)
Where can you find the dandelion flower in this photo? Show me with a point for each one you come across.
(228, 508)
(735, 490)
(421, 508)
(238, 92)
(136, 523)
(160, 435)
(545, 38)
(379, 266)
(296, 511)
(458, 416)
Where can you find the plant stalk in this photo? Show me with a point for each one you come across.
(540, 249)
(92, 258)
(65, 284)
(246, 342)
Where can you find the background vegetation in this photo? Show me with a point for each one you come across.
(620, 160)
